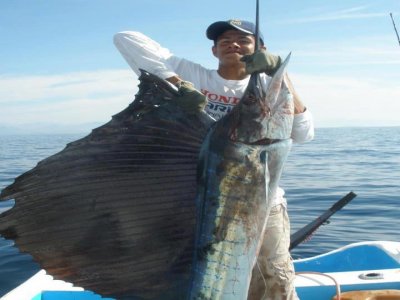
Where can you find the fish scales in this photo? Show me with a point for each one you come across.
(241, 163)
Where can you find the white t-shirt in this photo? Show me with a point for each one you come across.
(141, 52)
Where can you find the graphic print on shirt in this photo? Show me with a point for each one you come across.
(219, 105)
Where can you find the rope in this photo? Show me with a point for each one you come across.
(337, 286)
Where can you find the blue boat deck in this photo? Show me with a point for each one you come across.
(356, 257)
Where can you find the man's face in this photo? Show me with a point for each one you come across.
(232, 45)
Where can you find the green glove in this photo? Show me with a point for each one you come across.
(262, 61)
(190, 99)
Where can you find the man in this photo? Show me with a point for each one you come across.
(221, 89)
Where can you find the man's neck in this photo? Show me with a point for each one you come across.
(232, 72)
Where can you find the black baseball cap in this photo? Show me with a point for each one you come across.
(217, 28)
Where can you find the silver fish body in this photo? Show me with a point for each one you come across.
(241, 163)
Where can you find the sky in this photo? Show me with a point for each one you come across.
(60, 72)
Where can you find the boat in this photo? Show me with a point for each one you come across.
(359, 271)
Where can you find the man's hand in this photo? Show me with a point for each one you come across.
(262, 61)
(190, 99)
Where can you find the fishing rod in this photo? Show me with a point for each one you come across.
(254, 84)
(395, 29)
(257, 45)
(304, 233)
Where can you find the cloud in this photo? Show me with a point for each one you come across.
(349, 101)
(377, 52)
(358, 12)
(351, 55)
(65, 86)
(65, 99)
(68, 102)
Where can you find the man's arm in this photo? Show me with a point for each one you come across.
(141, 52)
(303, 124)
(298, 104)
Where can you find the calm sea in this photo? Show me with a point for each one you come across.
(363, 160)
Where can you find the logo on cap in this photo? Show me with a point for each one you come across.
(235, 22)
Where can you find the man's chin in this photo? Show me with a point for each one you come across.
(233, 57)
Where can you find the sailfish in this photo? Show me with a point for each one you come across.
(123, 211)
(158, 203)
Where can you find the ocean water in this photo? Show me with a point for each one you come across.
(317, 174)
